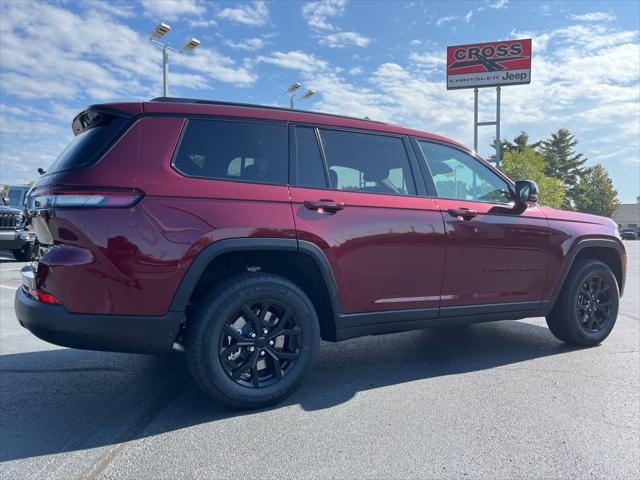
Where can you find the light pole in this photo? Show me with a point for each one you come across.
(292, 96)
(156, 35)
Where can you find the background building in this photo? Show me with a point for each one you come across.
(627, 215)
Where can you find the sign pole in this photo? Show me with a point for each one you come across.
(475, 119)
(498, 145)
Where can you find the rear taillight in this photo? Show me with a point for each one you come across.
(45, 297)
(86, 197)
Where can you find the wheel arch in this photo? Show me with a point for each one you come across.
(302, 262)
(609, 251)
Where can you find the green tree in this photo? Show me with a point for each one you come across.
(526, 164)
(595, 194)
(519, 143)
(562, 160)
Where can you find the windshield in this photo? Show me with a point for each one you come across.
(85, 149)
(15, 197)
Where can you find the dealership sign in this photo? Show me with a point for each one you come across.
(489, 64)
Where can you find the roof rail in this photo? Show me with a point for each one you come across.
(251, 105)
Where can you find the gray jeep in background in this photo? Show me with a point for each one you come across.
(15, 233)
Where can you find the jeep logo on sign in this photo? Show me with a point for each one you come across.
(489, 64)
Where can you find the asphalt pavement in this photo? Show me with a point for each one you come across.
(499, 400)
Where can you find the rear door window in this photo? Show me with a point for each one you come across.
(232, 150)
(369, 163)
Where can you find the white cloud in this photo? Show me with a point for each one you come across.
(317, 14)
(594, 17)
(295, 60)
(202, 23)
(254, 14)
(112, 60)
(342, 39)
(164, 10)
(357, 70)
(117, 9)
(250, 44)
(498, 4)
(429, 61)
(451, 18)
(443, 20)
(216, 66)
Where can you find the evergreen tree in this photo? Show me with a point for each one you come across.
(594, 193)
(562, 160)
(520, 142)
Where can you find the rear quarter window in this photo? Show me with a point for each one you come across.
(86, 148)
(233, 150)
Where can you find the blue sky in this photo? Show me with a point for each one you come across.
(381, 59)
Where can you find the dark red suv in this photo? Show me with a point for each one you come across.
(245, 234)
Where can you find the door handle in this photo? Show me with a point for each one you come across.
(324, 205)
(465, 213)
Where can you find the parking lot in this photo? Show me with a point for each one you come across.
(501, 400)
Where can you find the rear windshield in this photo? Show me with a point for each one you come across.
(85, 149)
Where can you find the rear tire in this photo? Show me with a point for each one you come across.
(587, 307)
(250, 343)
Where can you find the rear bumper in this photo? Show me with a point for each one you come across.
(113, 333)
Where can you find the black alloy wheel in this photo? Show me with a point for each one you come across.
(252, 339)
(593, 303)
(586, 309)
(260, 343)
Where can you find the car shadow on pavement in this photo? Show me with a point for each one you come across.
(64, 400)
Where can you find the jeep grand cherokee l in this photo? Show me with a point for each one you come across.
(245, 234)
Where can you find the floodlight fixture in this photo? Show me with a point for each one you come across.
(294, 86)
(160, 30)
(308, 93)
(191, 44)
(292, 95)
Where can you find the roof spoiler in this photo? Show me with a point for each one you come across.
(95, 115)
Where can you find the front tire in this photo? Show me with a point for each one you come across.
(587, 308)
(252, 340)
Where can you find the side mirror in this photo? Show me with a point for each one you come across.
(526, 193)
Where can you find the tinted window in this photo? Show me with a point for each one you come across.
(458, 175)
(362, 162)
(310, 165)
(228, 150)
(16, 197)
(85, 148)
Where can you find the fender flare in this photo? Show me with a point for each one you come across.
(578, 247)
(221, 247)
